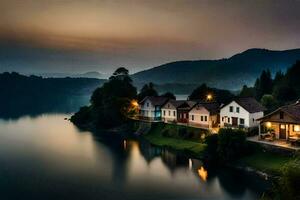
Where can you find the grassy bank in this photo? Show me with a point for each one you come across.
(172, 136)
(267, 162)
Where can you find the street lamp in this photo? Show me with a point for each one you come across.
(209, 97)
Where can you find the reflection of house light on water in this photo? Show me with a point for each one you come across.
(202, 173)
(124, 144)
(190, 164)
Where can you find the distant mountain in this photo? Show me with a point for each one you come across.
(73, 75)
(229, 73)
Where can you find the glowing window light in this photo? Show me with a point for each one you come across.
(269, 124)
(296, 128)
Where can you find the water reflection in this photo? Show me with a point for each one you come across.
(46, 157)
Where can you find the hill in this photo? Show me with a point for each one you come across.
(230, 73)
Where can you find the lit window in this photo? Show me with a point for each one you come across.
(231, 109)
(237, 109)
(296, 128)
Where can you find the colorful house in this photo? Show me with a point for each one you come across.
(150, 107)
(241, 112)
(283, 123)
(183, 111)
(205, 115)
(169, 110)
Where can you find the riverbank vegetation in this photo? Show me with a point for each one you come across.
(180, 138)
(110, 104)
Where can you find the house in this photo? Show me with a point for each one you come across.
(169, 110)
(205, 115)
(150, 107)
(183, 111)
(283, 123)
(241, 112)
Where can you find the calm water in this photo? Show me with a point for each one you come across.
(46, 157)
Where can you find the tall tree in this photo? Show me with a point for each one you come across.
(264, 84)
(169, 95)
(247, 91)
(147, 90)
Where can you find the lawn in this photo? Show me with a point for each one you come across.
(265, 161)
(189, 146)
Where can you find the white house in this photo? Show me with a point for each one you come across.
(169, 110)
(150, 107)
(205, 115)
(241, 112)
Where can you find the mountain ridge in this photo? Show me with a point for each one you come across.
(226, 73)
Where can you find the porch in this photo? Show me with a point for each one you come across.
(281, 144)
(280, 133)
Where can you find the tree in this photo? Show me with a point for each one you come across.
(284, 93)
(147, 90)
(204, 93)
(169, 95)
(264, 84)
(269, 102)
(200, 93)
(109, 103)
(247, 92)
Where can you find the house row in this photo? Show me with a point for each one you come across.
(241, 112)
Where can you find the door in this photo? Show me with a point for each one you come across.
(282, 131)
(234, 121)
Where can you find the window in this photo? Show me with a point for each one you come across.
(174, 113)
(164, 113)
(228, 119)
(201, 118)
(238, 109)
(169, 113)
(231, 109)
(281, 115)
(296, 128)
(222, 119)
(147, 104)
(192, 117)
(205, 118)
(242, 121)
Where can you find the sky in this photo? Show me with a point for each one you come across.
(76, 36)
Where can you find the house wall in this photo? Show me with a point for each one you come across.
(195, 116)
(169, 114)
(225, 114)
(253, 118)
(147, 109)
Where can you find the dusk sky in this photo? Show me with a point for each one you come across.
(38, 36)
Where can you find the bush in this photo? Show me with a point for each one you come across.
(289, 182)
(231, 144)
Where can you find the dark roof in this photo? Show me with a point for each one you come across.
(212, 107)
(250, 104)
(187, 105)
(175, 103)
(293, 110)
(156, 101)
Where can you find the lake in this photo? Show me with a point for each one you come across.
(47, 157)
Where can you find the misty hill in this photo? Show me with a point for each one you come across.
(21, 94)
(229, 73)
